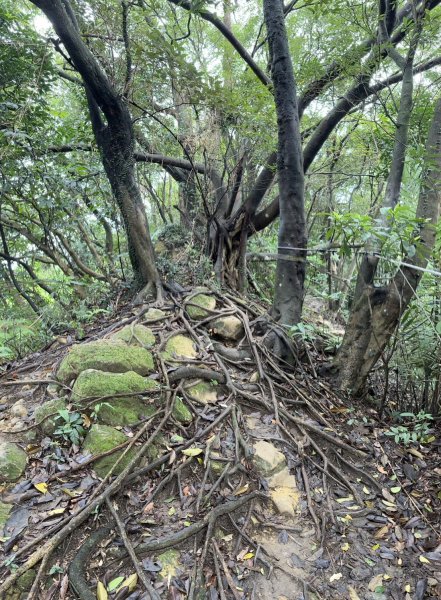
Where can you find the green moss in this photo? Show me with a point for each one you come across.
(115, 411)
(102, 438)
(179, 346)
(170, 563)
(153, 314)
(135, 335)
(25, 581)
(48, 426)
(202, 302)
(12, 461)
(5, 509)
(181, 412)
(203, 392)
(105, 355)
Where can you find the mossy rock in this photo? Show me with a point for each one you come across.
(170, 563)
(181, 412)
(179, 346)
(115, 411)
(153, 314)
(50, 407)
(105, 355)
(202, 302)
(25, 581)
(12, 461)
(203, 392)
(5, 509)
(228, 328)
(135, 335)
(102, 438)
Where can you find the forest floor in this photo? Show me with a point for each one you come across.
(276, 488)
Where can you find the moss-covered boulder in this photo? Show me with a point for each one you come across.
(153, 314)
(197, 306)
(12, 462)
(105, 355)
(114, 411)
(203, 392)
(51, 407)
(179, 346)
(135, 335)
(181, 412)
(102, 438)
(228, 328)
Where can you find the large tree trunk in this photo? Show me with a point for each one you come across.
(290, 273)
(114, 136)
(377, 312)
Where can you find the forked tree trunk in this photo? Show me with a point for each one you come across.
(114, 135)
(290, 273)
(377, 312)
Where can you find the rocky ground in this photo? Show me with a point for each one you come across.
(170, 455)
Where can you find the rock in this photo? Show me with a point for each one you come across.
(170, 563)
(228, 328)
(216, 466)
(48, 426)
(203, 392)
(285, 500)
(105, 355)
(267, 459)
(53, 390)
(135, 335)
(181, 412)
(12, 461)
(115, 411)
(102, 438)
(201, 302)
(19, 409)
(153, 314)
(179, 346)
(5, 509)
(283, 479)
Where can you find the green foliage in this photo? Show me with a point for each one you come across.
(417, 428)
(70, 427)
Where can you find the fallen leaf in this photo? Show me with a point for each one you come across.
(101, 592)
(395, 490)
(131, 582)
(424, 560)
(115, 583)
(345, 547)
(41, 487)
(192, 451)
(375, 582)
(335, 577)
(353, 594)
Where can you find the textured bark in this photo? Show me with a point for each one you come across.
(377, 312)
(114, 135)
(290, 274)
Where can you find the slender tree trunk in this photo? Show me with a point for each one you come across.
(114, 135)
(290, 272)
(377, 312)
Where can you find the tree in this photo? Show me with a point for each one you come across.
(113, 130)
(377, 311)
(290, 275)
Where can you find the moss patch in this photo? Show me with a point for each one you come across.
(48, 426)
(12, 461)
(203, 392)
(153, 314)
(102, 438)
(105, 355)
(181, 412)
(170, 563)
(115, 411)
(179, 346)
(5, 509)
(202, 302)
(135, 335)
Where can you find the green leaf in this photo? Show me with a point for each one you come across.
(115, 583)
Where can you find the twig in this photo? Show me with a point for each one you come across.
(128, 545)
